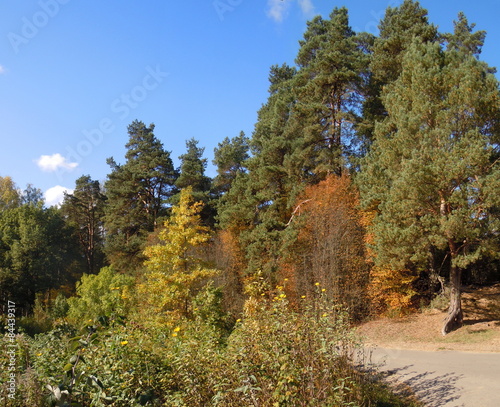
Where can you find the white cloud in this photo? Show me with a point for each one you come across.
(2, 69)
(54, 196)
(307, 7)
(51, 163)
(277, 9)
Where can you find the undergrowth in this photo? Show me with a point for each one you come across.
(272, 356)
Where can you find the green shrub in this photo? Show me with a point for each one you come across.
(105, 294)
(274, 356)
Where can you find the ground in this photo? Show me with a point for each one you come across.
(422, 331)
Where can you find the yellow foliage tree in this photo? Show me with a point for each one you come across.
(175, 267)
(390, 290)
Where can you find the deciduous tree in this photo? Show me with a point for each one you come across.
(9, 195)
(175, 268)
(329, 250)
(36, 252)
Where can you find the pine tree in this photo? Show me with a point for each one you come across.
(192, 174)
(329, 91)
(398, 28)
(261, 199)
(192, 170)
(463, 39)
(137, 192)
(431, 166)
(84, 212)
(229, 158)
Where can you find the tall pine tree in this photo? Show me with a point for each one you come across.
(192, 174)
(229, 158)
(398, 28)
(431, 166)
(333, 64)
(136, 191)
(84, 212)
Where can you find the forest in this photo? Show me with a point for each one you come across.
(369, 186)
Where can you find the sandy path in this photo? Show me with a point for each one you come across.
(444, 378)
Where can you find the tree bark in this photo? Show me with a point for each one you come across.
(454, 318)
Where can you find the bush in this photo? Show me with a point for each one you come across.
(274, 356)
(105, 294)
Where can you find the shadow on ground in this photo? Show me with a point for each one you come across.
(432, 390)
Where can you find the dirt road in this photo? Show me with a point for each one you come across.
(444, 378)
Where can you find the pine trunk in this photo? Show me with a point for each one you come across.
(454, 318)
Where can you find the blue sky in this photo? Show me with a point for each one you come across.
(74, 73)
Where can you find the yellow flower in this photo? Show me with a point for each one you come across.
(323, 290)
(177, 329)
(238, 320)
(124, 342)
(282, 295)
(174, 334)
(303, 296)
(39, 354)
(316, 284)
(325, 314)
(286, 279)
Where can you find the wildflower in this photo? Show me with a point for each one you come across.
(302, 296)
(177, 329)
(316, 284)
(238, 320)
(282, 295)
(323, 290)
(325, 315)
(286, 279)
(39, 354)
(124, 343)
